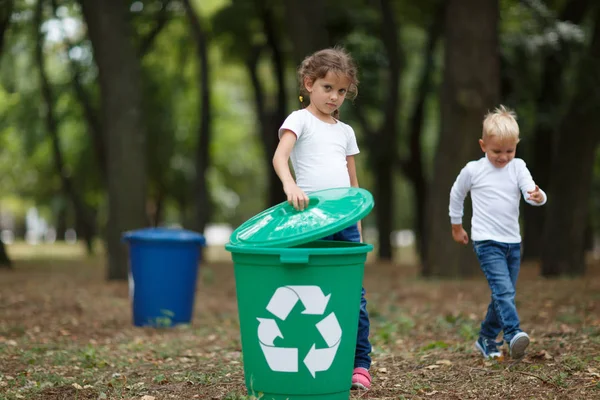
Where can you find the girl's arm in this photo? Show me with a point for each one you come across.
(353, 182)
(295, 196)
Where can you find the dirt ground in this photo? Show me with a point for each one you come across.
(65, 333)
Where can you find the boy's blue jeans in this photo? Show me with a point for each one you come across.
(363, 346)
(500, 262)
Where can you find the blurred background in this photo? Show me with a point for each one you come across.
(117, 115)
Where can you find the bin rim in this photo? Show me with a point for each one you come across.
(170, 235)
(345, 249)
(329, 211)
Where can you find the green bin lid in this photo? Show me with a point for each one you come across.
(328, 212)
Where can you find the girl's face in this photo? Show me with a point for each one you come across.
(499, 152)
(327, 94)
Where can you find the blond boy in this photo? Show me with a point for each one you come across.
(496, 182)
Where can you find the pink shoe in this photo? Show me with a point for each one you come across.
(361, 379)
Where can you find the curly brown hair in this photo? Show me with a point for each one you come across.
(317, 65)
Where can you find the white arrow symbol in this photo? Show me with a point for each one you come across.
(282, 302)
(281, 359)
(320, 359)
(268, 331)
(312, 298)
(330, 329)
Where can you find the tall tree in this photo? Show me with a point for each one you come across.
(203, 203)
(549, 102)
(119, 75)
(382, 141)
(256, 35)
(470, 88)
(563, 250)
(5, 15)
(413, 166)
(306, 26)
(83, 214)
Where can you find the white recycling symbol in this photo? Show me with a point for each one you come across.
(285, 359)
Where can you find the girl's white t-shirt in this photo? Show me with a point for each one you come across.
(319, 155)
(495, 195)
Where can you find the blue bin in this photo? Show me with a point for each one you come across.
(162, 275)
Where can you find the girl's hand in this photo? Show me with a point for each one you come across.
(459, 234)
(296, 196)
(536, 195)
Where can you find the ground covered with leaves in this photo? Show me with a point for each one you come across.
(66, 333)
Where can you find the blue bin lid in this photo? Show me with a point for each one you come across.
(165, 235)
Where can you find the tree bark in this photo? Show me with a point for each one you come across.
(383, 142)
(564, 238)
(413, 167)
(203, 203)
(471, 87)
(5, 261)
(122, 123)
(5, 14)
(305, 22)
(545, 135)
(83, 215)
(388, 135)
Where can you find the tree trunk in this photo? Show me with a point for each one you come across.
(471, 87)
(4, 260)
(388, 135)
(270, 119)
(83, 215)
(305, 22)
(413, 168)
(122, 122)
(5, 14)
(544, 136)
(382, 142)
(203, 203)
(564, 237)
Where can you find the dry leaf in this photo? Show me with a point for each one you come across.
(432, 366)
(593, 372)
(444, 362)
(542, 354)
(77, 386)
(431, 393)
(146, 397)
(382, 370)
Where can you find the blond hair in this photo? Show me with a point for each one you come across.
(502, 124)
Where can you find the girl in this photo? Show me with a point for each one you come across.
(322, 149)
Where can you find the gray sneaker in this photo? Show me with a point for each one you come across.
(518, 344)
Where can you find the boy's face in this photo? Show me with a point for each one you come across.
(499, 152)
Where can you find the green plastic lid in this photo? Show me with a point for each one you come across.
(328, 212)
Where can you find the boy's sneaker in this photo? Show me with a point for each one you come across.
(518, 344)
(361, 379)
(488, 347)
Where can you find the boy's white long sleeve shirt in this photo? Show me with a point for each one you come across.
(495, 195)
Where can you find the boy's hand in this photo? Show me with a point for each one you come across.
(459, 234)
(296, 196)
(536, 195)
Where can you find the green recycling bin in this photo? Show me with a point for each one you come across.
(299, 297)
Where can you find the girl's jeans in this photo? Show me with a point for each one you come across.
(363, 346)
(500, 263)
